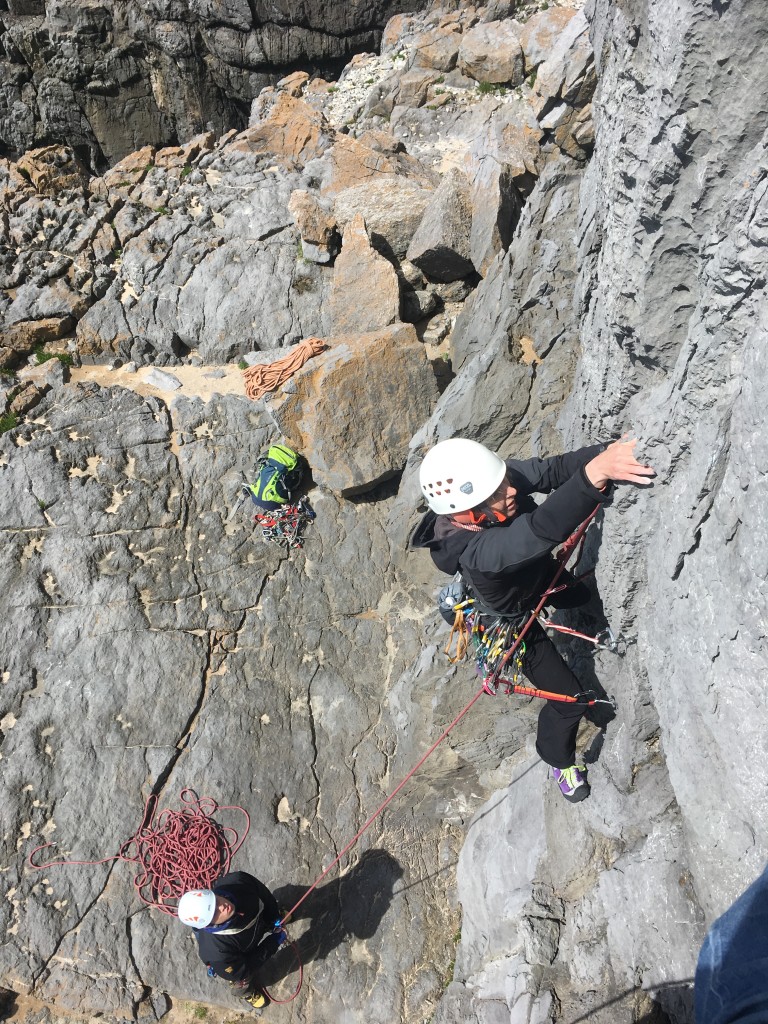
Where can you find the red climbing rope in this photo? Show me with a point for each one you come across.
(389, 799)
(301, 978)
(563, 558)
(189, 849)
(182, 850)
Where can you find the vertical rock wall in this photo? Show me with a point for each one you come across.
(630, 298)
(676, 196)
(661, 325)
(109, 78)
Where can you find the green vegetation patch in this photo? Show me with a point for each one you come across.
(8, 421)
(491, 89)
(42, 356)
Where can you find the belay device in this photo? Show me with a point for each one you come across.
(281, 516)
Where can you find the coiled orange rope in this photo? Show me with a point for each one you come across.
(182, 850)
(262, 378)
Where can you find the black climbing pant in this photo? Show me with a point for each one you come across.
(543, 666)
(558, 721)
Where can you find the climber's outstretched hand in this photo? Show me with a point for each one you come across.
(617, 462)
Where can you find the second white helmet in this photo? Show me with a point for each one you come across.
(197, 908)
(458, 474)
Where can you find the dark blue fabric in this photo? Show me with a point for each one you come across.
(732, 973)
(235, 957)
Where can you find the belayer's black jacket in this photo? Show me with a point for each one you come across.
(237, 949)
(509, 565)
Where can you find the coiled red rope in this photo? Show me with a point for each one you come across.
(181, 850)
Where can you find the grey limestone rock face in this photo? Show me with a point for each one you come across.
(159, 264)
(392, 209)
(441, 245)
(356, 311)
(196, 251)
(540, 32)
(146, 636)
(652, 304)
(111, 77)
(491, 53)
(394, 390)
(167, 661)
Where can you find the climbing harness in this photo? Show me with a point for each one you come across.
(497, 642)
(286, 525)
(181, 850)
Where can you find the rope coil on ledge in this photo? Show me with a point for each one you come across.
(181, 850)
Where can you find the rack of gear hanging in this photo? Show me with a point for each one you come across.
(498, 644)
(285, 526)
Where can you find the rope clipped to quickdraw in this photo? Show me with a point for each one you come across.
(605, 640)
(286, 525)
(585, 697)
(181, 850)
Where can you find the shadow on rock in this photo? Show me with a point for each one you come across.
(8, 1004)
(592, 754)
(669, 1003)
(351, 905)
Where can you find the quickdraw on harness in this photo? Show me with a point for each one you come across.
(489, 637)
(285, 525)
(498, 645)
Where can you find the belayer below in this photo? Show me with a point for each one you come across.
(237, 930)
(484, 524)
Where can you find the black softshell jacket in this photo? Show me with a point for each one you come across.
(510, 564)
(237, 950)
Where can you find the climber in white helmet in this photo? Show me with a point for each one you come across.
(237, 928)
(484, 524)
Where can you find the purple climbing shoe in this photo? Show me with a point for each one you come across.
(572, 782)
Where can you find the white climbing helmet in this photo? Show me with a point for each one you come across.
(458, 474)
(197, 908)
